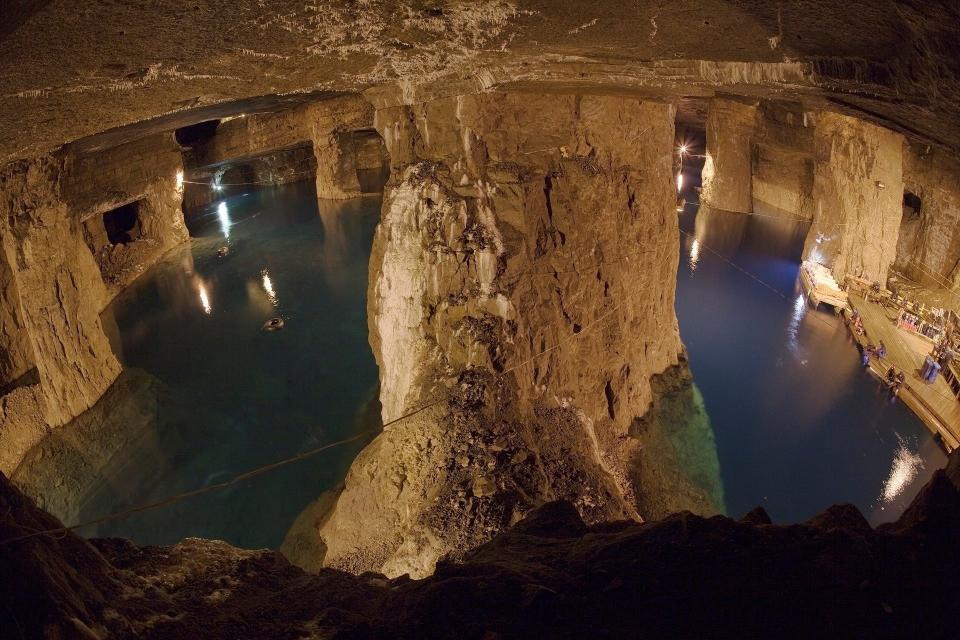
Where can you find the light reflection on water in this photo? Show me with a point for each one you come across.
(799, 425)
(906, 466)
(694, 255)
(231, 396)
(223, 215)
(268, 288)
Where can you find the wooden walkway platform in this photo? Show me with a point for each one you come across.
(935, 404)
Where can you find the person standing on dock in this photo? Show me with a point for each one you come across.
(946, 358)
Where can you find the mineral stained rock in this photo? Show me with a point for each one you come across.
(549, 576)
(522, 284)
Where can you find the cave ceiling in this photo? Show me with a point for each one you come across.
(70, 69)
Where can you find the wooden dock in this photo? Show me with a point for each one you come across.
(935, 404)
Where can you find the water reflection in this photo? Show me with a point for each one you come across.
(220, 396)
(694, 255)
(204, 298)
(223, 215)
(798, 423)
(799, 311)
(906, 466)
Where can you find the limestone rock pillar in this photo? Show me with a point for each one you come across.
(336, 166)
(727, 172)
(522, 283)
(858, 195)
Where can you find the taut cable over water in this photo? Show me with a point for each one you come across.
(312, 452)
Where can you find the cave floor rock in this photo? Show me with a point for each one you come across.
(548, 576)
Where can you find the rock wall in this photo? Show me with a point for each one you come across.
(59, 269)
(858, 192)
(275, 168)
(727, 170)
(521, 284)
(16, 352)
(929, 247)
(327, 125)
(783, 164)
(149, 172)
(60, 293)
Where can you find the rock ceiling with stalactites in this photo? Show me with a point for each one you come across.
(73, 68)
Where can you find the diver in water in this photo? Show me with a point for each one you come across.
(273, 324)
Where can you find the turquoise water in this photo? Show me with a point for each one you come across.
(232, 396)
(799, 424)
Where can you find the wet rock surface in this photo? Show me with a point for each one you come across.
(550, 575)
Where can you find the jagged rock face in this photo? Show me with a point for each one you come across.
(783, 164)
(147, 172)
(928, 250)
(727, 172)
(60, 290)
(60, 268)
(858, 193)
(523, 274)
(551, 576)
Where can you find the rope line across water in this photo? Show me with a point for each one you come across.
(302, 455)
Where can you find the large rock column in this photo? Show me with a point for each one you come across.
(336, 166)
(521, 284)
(727, 178)
(858, 194)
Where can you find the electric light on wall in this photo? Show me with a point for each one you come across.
(880, 185)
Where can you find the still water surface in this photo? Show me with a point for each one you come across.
(799, 424)
(235, 396)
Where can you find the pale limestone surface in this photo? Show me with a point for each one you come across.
(783, 161)
(326, 125)
(727, 170)
(929, 247)
(513, 223)
(60, 271)
(858, 191)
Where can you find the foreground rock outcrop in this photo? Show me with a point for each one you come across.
(549, 576)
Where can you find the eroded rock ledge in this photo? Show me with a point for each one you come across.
(548, 576)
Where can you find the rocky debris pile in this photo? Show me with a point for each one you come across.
(550, 575)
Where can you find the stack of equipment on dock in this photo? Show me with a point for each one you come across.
(821, 287)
